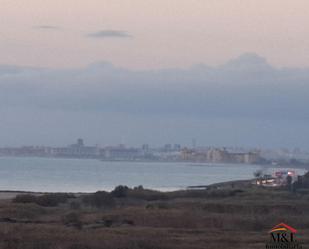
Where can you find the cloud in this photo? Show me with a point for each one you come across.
(246, 87)
(245, 94)
(109, 34)
(47, 27)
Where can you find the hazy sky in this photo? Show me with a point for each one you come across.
(143, 34)
(51, 92)
(244, 102)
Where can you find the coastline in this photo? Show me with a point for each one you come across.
(193, 163)
(237, 212)
(10, 194)
(81, 176)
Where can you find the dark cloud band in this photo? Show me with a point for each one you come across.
(109, 34)
(47, 27)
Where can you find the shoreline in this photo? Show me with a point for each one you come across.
(139, 160)
(190, 163)
(10, 194)
(151, 219)
(241, 183)
(7, 192)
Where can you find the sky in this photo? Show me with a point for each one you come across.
(152, 34)
(225, 73)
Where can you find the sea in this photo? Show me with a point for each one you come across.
(90, 175)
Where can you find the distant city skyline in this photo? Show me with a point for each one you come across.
(148, 144)
(167, 153)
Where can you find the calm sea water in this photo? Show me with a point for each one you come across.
(77, 175)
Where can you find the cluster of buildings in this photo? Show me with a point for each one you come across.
(218, 155)
(169, 152)
(80, 150)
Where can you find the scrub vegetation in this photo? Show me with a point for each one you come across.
(232, 215)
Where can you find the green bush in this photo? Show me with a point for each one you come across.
(52, 200)
(80, 246)
(75, 205)
(25, 198)
(46, 200)
(22, 211)
(159, 205)
(99, 199)
(120, 191)
(72, 219)
(145, 194)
